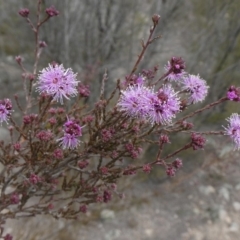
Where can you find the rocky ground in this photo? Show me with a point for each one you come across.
(201, 205)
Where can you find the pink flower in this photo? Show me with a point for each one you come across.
(107, 196)
(198, 141)
(177, 163)
(175, 69)
(164, 106)
(147, 168)
(171, 171)
(83, 90)
(44, 135)
(83, 208)
(72, 130)
(83, 164)
(233, 94)
(104, 170)
(57, 82)
(69, 141)
(136, 101)
(107, 134)
(164, 139)
(34, 179)
(8, 237)
(14, 199)
(233, 129)
(58, 153)
(196, 87)
(5, 110)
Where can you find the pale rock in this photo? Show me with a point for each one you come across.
(224, 193)
(234, 227)
(149, 232)
(107, 214)
(236, 206)
(237, 187)
(224, 216)
(157, 211)
(207, 190)
(113, 234)
(190, 197)
(196, 211)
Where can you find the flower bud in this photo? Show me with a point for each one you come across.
(51, 11)
(177, 65)
(24, 12)
(177, 163)
(198, 141)
(147, 168)
(83, 208)
(18, 59)
(42, 44)
(8, 237)
(171, 171)
(155, 18)
(233, 94)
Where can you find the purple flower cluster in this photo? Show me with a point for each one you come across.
(196, 87)
(164, 106)
(141, 102)
(233, 94)
(72, 130)
(175, 69)
(5, 110)
(57, 82)
(193, 84)
(233, 129)
(135, 101)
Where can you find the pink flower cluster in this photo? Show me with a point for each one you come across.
(196, 87)
(175, 69)
(57, 82)
(72, 130)
(160, 107)
(5, 110)
(142, 102)
(233, 129)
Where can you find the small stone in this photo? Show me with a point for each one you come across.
(149, 232)
(224, 193)
(234, 227)
(236, 206)
(112, 234)
(224, 216)
(237, 187)
(190, 197)
(196, 211)
(207, 190)
(5, 211)
(107, 214)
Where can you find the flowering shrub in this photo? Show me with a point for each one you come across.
(65, 154)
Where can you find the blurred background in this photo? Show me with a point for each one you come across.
(203, 200)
